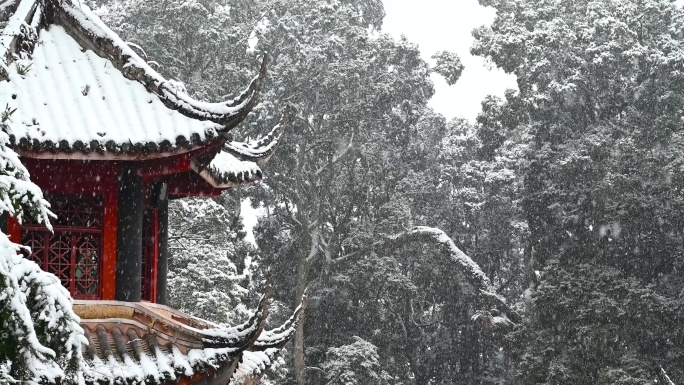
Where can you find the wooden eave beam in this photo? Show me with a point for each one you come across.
(163, 167)
(190, 184)
(80, 177)
(180, 164)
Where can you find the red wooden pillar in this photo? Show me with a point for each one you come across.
(153, 192)
(154, 260)
(109, 234)
(14, 230)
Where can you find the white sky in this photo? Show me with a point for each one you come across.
(438, 25)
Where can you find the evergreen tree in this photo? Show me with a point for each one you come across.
(40, 336)
(210, 262)
(600, 95)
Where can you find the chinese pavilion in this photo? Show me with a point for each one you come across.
(110, 141)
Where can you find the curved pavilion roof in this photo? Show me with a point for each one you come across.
(136, 343)
(74, 90)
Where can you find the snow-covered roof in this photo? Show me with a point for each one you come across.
(262, 149)
(70, 84)
(78, 98)
(142, 343)
(71, 88)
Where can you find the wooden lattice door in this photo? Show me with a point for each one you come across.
(73, 251)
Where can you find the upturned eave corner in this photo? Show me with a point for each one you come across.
(248, 99)
(262, 149)
(239, 163)
(91, 33)
(277, 338)
(163, 334)
(261, 355)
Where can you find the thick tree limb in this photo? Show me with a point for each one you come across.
(299, 362)
(470, 270)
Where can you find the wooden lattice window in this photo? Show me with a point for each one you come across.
(73, 252)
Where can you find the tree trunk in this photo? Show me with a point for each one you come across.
(302, 282)
(299, 364)
(299, 348)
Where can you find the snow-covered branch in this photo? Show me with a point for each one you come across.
(41, 336)
(471, 271)
(665, 377)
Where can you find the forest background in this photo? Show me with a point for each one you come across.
(567, 192)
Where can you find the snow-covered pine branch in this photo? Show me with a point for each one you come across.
(41, 338)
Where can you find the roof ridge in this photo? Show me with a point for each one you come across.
(19, 13)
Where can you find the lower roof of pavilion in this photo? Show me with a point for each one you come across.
(135, 343)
